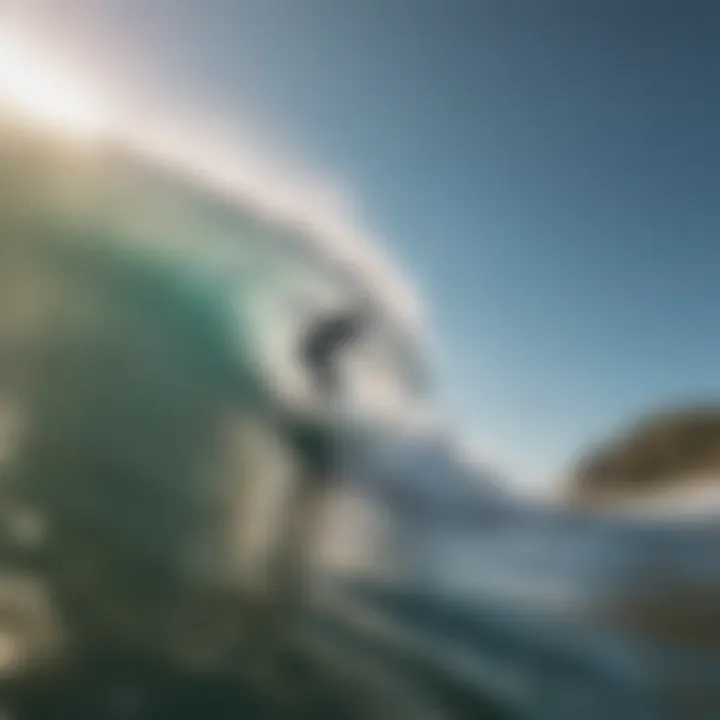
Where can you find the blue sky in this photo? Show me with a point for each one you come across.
(547, 171)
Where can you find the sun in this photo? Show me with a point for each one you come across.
(42, 93)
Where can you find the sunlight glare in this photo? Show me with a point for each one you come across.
(41, 93)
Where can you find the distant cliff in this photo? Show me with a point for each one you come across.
(655, 455)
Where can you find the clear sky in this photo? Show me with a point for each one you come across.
(548, 170)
